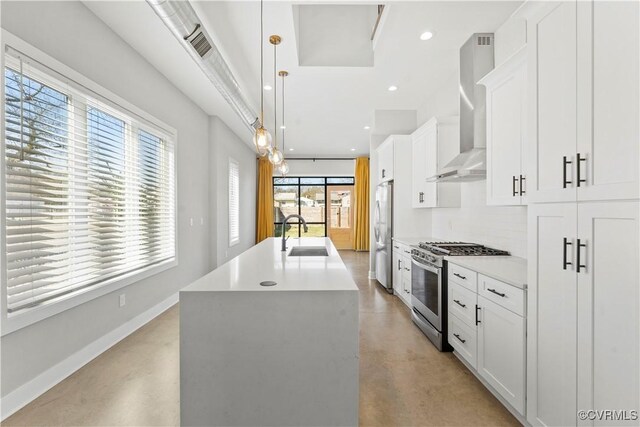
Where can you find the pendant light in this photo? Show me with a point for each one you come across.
(284, 167)
(262, 138)
(275, 155)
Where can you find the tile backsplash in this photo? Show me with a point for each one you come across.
(501, 227)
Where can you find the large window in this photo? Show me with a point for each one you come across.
(304, 196)
(88, 189)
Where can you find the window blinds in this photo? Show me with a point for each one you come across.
(89, 189)
(234, 202)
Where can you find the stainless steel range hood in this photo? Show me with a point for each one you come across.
(476, 60)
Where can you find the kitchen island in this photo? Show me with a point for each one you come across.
(286, 354)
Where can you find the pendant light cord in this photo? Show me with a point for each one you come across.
(261, 65)
(275, 98)
(283, 125)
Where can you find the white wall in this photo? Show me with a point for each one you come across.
(70, 33)
(224, 143)
(500, 227)
(320, 167)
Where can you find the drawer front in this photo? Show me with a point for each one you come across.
(463, 339)
(462, 304)
(463, 276)
(502, 294)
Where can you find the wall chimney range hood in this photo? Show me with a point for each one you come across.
(476, 60)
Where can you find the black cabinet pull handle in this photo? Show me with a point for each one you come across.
(383, 171)
(460, 276)
(513, 186)
(565, 162)
(565, 243)
(578, 265)
(579, 167)
(459, 303)
(459, 339)
(496, 292)
(399, 268)
(477, 310)
(522, 179)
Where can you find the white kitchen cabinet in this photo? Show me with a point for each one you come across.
(583, 304)
(584, 87)
(551, 63)
(506, 118)
(501, 351)
(397, 269)
(402, 272)
(608, 306)
(435, 143)
(385, 160)
(608, 100)
(487, 329)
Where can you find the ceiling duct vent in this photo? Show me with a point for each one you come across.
(184, 24)
(484, 40)
(199, 42)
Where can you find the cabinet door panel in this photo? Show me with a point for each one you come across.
(609, 94)
(504, 140)
(609, 307)
(552, 91)
(501, 358)
(551, 322)
(431, 168)
(419, 156)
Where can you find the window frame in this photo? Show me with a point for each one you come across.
(299, 186)
(234, 240)
(73, 83)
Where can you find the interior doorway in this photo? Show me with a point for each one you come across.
(340, 215)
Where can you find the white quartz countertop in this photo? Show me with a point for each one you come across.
(508, 269)
(265, 261)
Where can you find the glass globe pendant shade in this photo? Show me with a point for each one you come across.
(283, 168)
(276, 157)
(262, 140)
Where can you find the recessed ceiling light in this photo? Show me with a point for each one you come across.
(283, 127)
(426, 35)
(267, 87)
(290, 149)
(393, 88)
(353, 149)
(367, 128)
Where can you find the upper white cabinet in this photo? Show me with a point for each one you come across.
(506, 116)
(584, 310)
(584, 91)
(385, 160)
(434, 144)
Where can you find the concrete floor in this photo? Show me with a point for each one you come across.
(404, 380)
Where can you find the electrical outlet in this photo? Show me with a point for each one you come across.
(201, 221)
(123, 300)
(191, 222)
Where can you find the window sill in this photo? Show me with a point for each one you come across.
(15, 322)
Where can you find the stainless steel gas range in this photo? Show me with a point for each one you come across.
(429, 285)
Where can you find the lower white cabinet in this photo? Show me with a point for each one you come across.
(487, 329)
(501, 351)
(583, 349)
(402, 272)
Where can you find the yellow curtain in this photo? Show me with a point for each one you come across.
(361, 238)
(264, 202)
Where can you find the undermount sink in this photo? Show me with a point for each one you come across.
(308, 251)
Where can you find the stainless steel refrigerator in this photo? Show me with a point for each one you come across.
(383, 232)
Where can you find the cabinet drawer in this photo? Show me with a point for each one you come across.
(463, 276)
(462, 304)
(502, 294)
(463, 339)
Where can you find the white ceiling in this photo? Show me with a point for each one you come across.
(327, 107)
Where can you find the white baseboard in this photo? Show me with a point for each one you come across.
(29, 391)
(372, 275)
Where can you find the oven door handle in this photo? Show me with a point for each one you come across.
(430, 268)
